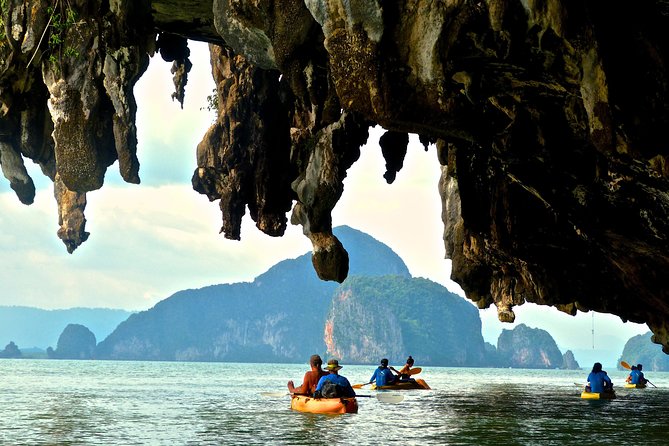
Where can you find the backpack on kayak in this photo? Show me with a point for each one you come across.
(331, 390)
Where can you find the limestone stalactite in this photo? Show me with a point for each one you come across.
(548, 117)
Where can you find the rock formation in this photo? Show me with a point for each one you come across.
(529, 348)
(548, 116)
(569, 361)
(75, 342)
(11, 351)
(638, 350)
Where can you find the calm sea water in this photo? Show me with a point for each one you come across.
(46, 402)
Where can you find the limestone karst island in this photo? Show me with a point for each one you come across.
(549, 119)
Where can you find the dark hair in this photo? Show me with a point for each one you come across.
(597, 367)
(639, 367)
(410, 360)
(384, 362)
(315, 361)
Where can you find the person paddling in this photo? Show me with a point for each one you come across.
(403, 373)
(311, 378)
(598, 380)
(382, 375)
(633, 377)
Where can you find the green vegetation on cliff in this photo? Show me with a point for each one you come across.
(391, 316)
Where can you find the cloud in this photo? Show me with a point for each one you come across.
(145, 244)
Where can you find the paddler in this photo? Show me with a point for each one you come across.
(311, 378)
(598, 380)
(382, 375)
(403, 373)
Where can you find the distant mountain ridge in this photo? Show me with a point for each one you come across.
(279, 317)
(288, 313)
(31, 327)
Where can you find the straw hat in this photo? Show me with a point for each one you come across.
(333, 365)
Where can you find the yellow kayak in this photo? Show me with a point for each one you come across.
(598, 396)
(304, 403)
(408, 385)
(635, 386)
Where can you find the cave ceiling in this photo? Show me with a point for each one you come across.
(549, 119)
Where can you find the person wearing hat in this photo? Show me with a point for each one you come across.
(382, 375)
(334, 377)
(311, 378)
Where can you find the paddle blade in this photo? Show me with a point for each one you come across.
(389, 397)
(625, 365)
(415, 371)
(357, 386)
(273, 394)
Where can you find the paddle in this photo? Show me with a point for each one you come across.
(273, 394)
(381, 396)
(359, 386)
(629, 367)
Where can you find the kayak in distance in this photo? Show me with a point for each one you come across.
(305, 403)
(635, 386)
(406, 385)
(598, 396)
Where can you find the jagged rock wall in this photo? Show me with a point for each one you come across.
(549, 119)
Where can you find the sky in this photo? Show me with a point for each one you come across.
(151, 240)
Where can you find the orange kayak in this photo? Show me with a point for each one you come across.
(304, 403)
(415, 384)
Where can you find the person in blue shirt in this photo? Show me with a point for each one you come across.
(334, 377)
(598, 380)
(633, 377)
(382, 375)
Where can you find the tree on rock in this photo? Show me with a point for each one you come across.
(75, 342)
